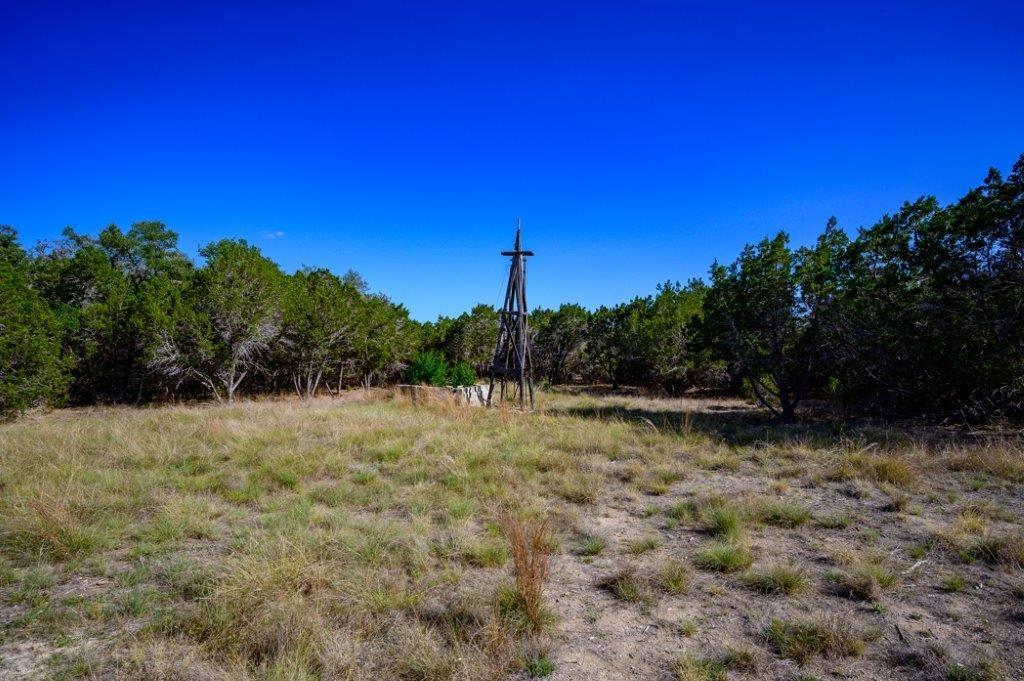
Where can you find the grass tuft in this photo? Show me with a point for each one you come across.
(803, 639)
(724, 556)
(723, 521)
(953, 584)
(982, 671)
(690, 668)
(699, 669)
(539, 667)
(591, 545)
(627, 585)
(674, 576)
(1004, 550)
(835, 521)
(781, 513)
(777, 579)
(865, 581)
(643, 544)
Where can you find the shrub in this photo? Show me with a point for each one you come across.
(461, 374)
(431, 368)
(428, 368)
(32, 370)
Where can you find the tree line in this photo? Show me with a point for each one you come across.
(920, 314)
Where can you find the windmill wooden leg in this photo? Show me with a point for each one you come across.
(512, 368)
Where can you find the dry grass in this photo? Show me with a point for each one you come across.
(363, 539)
(1002, 462)
(529, 541)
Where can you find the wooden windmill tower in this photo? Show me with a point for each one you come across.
(512, 367)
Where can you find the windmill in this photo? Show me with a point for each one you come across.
(512, 368)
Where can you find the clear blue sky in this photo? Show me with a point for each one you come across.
(638, 140)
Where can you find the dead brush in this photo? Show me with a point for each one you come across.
(529, 541)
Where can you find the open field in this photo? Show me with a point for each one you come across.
(366, 539)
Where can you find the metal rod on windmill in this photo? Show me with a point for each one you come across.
(512, 367)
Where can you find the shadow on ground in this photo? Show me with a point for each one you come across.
(741, 425)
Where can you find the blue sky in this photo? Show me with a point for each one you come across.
(639, 141)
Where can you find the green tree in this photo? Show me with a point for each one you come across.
(558, 339)
(385, 339)
(319, 319)
(616, 342)
(234, 315)
(673, 359)
(763, 323)
(31, 366)
(470, 337)
(115, 295)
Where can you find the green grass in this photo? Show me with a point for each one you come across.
(865, 581)
(982, 671)
(674, 576)
(592, 546)
(539, 667)
(690, 668)
(627, 585)
(835, 521)
(724, 556)
(777, 580)
(781, 513)
(800, 640)
(487, 554)
(1005, 550)
(643, 544)
(723, 521)
(699, 669)
(953, 583)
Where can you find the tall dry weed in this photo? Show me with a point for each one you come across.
(529, 541)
